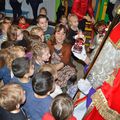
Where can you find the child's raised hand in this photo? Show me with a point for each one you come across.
(87, 18)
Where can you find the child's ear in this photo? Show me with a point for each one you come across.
(26, 75)
(18, 106)
(48, 93)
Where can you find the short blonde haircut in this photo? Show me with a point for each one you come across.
(70, 18)
(10, 96)
(13, 53)
(38, 50)
(35, 30)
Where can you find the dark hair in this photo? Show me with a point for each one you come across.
(7, 44)
(98, 24)
(58, 28)
(42, 16)
(43, 8)
(62, 107)
(20, 66)
(72, 79)
(21, 17)
(42, 83)
(8, 19)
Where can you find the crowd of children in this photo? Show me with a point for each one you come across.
(38, 78)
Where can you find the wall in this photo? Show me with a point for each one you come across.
(49, 4)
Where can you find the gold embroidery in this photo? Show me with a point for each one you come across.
(100, 102)
(117, 45)
(110, 80)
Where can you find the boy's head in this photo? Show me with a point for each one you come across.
(11, 97)
(42, 83)
(63, 20)
(14, 33)
(6, 24)
(22, 20)
(22, 67)
(37, 31)
(73, 20)
(42, 21)
(43, 11)
(62, 107)
(6, 44)
(17, 51)
(100, 27)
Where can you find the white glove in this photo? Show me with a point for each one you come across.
(84, 86)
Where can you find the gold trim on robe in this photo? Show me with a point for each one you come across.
(101, 104)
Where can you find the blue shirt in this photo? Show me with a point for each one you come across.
(36, 107)
(26, 86)
(48, 33)
(5, 74)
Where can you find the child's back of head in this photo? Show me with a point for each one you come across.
(11, 95)
(61, 108)
(42, 83)
(20, 66)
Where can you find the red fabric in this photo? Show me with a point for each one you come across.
(112, 94)
(81, 7)
(48, 116)
(114, 36)
(23, 26)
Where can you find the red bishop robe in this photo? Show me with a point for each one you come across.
(111, 92)
(81, 8)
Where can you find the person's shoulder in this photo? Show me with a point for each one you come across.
(15, 80)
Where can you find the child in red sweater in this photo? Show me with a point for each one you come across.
(22, 23)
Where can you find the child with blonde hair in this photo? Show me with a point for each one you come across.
(37, 31)
(74, 31)
(11, 97)
(41, 55)
(75, 34)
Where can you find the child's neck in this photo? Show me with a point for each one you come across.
(15, 111)
(74, 28)
(24, 79)
(38, 96)
(40, 62)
